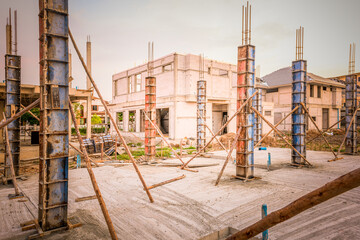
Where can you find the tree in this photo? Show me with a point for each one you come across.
(95, 119)
(30, 119)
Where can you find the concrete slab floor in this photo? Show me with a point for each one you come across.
(193, 207)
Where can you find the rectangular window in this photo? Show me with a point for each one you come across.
(311, 90)
(314, 118)
(319, 92)
(272, 90)
(94, 107)
(130, 89)
(167, 68)
(119, 120)
(324, 88)
(209, 70)
(138, 82)
(267, 113)
(223, 72)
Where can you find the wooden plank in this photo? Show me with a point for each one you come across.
(167, 181)
(80, 199)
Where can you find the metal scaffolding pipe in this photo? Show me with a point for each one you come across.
(150, 111)
(245, 119)
(350, 108)
(298, 129)
(54, 115)
(12, 107)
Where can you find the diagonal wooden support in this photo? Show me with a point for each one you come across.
(17, 190)
(331, 189)
(167, 181)
(324, 131)
(31, 113)
(280, 134)
(347, 131)
(127, 150)
(92, 177)
(296, 108)
(322, 134)
(19, 114)
(212, 133)
(163, 137)
(221, 129)
(229, 155)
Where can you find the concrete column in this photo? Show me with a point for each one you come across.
(88, 117)
(350, 108)
(126, 120)
(150, 111)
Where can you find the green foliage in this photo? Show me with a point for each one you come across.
(191, 147)
(78, 108)
(98, 129)
(120, 116)
(28, 118)
(81, 130)
(95, 119)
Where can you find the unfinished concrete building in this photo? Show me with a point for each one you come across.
(323, 98)
(176, 90)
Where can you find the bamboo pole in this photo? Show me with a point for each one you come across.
(347, 131)
(332, 189)
(127, 150)
(229, 155)
(17, 191)
(167, 181)
(280, 135)
(221, 129)
(276, 125)
(325, 130)
(102, 150)
(20, 113)
(79, 151)
(31, 113)
(92, 177)
(316, 126)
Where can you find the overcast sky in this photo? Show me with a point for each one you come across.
(120, 31)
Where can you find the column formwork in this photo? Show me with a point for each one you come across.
(298, 129)
(350, 108)
(150, 111)
(245, 119)
(54, 115)
(258, 125)
(201, 116)
(12, 106)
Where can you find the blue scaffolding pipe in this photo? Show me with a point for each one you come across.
(12, 106)
(298, 129)
(54, 115)
(350, 108)
(201, 116)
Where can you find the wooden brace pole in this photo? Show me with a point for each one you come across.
(92, 177)
(229, 155)
(127, 150)
(296, 108)
(221, 129)
(324, 131)
(31, 113)
(316, 126)
(167, 181)
(19, 114)
(280, 135)
(332, 189)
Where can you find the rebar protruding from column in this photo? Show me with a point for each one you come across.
(298, 128)
(8, 34)
(150, 110)
(245, 89)
(12, 106)
(54, 115)
(257, 103)
(201, 107)
(350, 107)
(150, 66)
(246, 24)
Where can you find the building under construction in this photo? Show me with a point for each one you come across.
(269, 158)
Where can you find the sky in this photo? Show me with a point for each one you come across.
(120, 31)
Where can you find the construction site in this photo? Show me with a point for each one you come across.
(186, 147)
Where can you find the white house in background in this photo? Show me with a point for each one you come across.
(176, 83)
